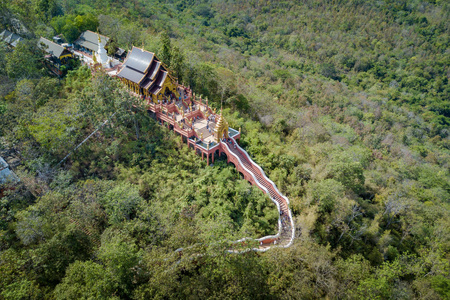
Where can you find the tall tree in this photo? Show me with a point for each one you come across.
(166, 49)
(23, 62)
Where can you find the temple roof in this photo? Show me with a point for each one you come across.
(161, 78)
(139, 60)
(120, 52)
(50, 47)
(89, 40)
(143, 68)
(10, 38)
(154, 68)
(131, 74)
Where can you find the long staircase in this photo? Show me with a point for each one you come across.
(170, 113)
(255, 175)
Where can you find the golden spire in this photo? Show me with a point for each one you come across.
(221, 127)
(99, 39)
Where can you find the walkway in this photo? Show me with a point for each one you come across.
(255, 175)
(193, 119)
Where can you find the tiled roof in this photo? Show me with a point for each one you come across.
(50, 47)
(89, 40)
(10, 38)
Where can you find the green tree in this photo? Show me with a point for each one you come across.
(70, 31)
(166, 49)
(3, 51)
(326, 193)
(329, 70)
(53, 130)
(54, 256)
(177, 63)
(23, 62)
(87, 280)
(121, 258)
(121, 203)
(16, 282)
(46, 9)
(86, 22)
(348, 171)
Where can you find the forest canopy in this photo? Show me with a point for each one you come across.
(344, 104)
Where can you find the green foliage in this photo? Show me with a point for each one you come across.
(441, 285)
(121, 258)
(121, 203)
(166, 48)
(46, 9)
(86, 280)
(326, 193)
(71, 25)
(350, 123)
(52, 130)
(23, 62)
(53, 257)
(329, 70)
(349, 172)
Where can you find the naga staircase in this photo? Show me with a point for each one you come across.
(171, 114)
(255, 175)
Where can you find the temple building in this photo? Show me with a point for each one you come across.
(89, 42)
(57, 53)
(11, 39)
(146, 76)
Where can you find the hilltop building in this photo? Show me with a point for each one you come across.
(10, 38)
(208, 133)
(146, 76)
(91, 43)
(56, 55)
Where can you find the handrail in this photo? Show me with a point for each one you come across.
(278, 208)
(278, 192)
(245, 168)
(157, 108)
(262, 172)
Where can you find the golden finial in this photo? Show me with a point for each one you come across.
(99, 39)
(221, 128)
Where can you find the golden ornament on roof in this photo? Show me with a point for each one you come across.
(221, 128)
